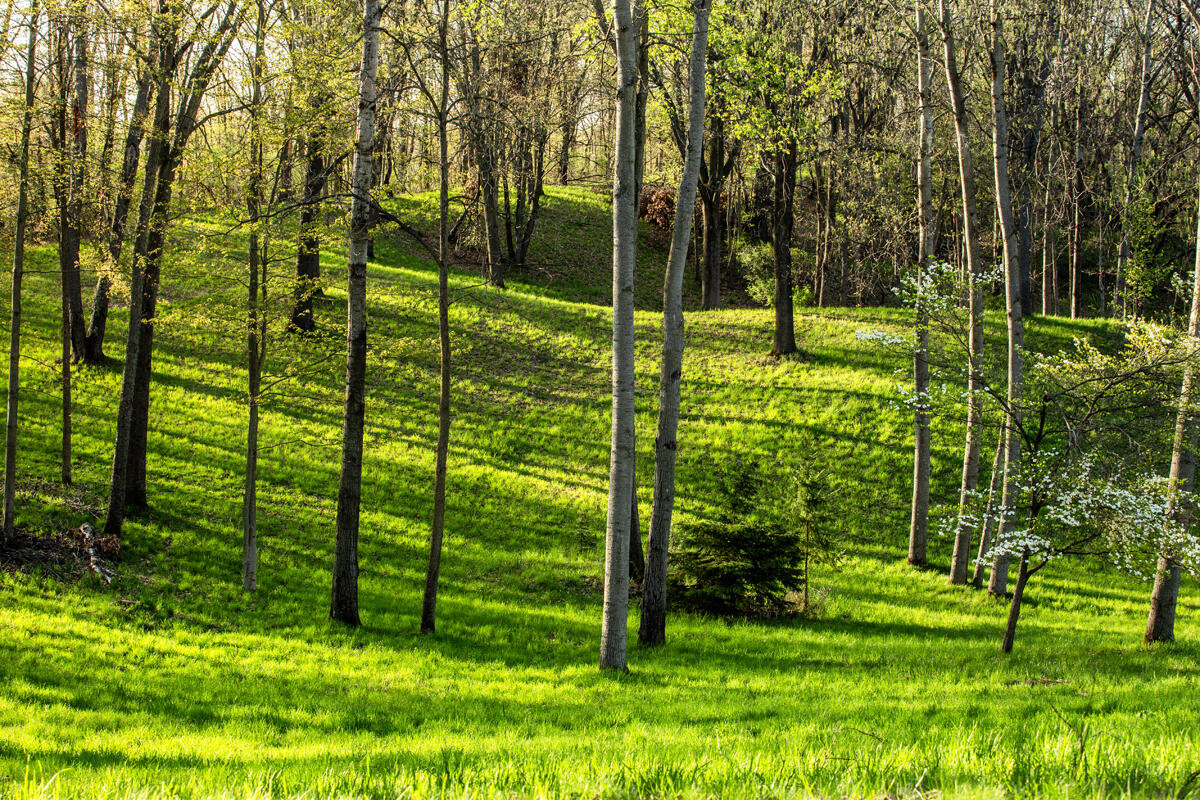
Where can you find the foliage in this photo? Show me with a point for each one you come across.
(755, 555)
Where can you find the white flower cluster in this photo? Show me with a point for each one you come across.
(883, 337)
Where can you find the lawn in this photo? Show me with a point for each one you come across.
(172, 682)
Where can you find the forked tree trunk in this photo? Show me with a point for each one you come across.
(621, 479)
(433, 568)
(14, 330)
(344, 601)
(308, 252)
(1160, 627)
(998, 585)
(966, 169)
(654, 589)
(918, 531)
(94, 351)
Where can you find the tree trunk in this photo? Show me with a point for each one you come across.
(1077, 189)
(621, 477)
(74, 147)
(918, 532)
(710, 218)
(966, 169)
(1014, 608)
(433, 569)
(14, 329)
(255, 325)
(1160, 627)
(1012, 290)
(94, 349)
(989, 522)
(166, 35)
(308, 251)
(344, 602)
(654, 589)
(783, 196)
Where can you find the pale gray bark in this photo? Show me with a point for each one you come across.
(966, 170)
(918, 531)
(624, 213)
(344, 602)
(14, 331)
(654, 588)
(998, 585)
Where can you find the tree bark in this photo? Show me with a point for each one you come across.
(621, 477)
(18, 271)
(433, 568)
(308, 252)
(989, 523)
(783, 197)
(652, 629)
(1014, 608)
(1012, 289)
(344, 602)
(94, 348)
(74, 152)
(918, 532)
(255, 323)
(966, 169)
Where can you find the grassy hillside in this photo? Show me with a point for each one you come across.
(171, 682)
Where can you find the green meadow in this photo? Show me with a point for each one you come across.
(172, 682)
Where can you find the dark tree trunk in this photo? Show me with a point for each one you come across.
(783, 196)
(1014, 608)
(308, 253)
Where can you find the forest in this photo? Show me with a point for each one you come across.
(609, 399)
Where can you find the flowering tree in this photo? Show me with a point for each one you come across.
(1091, 418)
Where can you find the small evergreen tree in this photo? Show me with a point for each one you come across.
(771, 527)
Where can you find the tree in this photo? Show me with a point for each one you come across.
(652, 629)
(441, 109)
(1012, 299)
(14, 333)
(974, 267)
(344, 602)
(621, 459)
(918, 533)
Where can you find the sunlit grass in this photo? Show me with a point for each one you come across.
(172, 682)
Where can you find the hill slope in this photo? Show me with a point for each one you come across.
(172, 682)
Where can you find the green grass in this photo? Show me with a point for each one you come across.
(173, 682)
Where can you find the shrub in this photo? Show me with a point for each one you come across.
(758, 271)
(657, 206)
(755, 556)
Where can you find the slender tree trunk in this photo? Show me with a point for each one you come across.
(74, 144)
(1077, 188)
(621, 478)
(1160, 627)
(918, 532)
(966, 169)
(14, 329)
(1014, 608)
(429, 602)
(255, 340)
(65, 464)
(1012, 286)
(654, 589)
(94, 350)
(989, 522)
(344, 603)
(783, 196)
